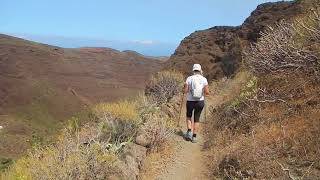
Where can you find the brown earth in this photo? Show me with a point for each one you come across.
(267, 139)
(41, 86)
(181, 159)
(219, 49)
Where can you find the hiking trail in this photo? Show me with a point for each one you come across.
(189, 160)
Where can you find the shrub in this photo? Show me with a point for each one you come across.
(92, 151)
(146, 107)
(287, 47)
(118, 122)
(158, 130)
(157, 127)
(124, 110)
(5, 163)
(164, 85)
(67, 159)
(248, 91)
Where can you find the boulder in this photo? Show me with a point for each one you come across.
(136, 151)
(132, 159)
(142, 140)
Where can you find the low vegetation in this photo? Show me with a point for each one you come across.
(94, 150)
(271, 129)
(164, 86)
(288, 48)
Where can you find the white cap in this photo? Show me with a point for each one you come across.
(196, 67)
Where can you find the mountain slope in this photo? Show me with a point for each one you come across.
(218, 49)
(41, 86)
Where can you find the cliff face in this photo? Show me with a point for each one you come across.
(219, 49)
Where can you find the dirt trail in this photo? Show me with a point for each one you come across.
(189, 159)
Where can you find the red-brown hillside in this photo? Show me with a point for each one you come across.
(42, 85)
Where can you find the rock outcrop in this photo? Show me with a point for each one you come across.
(219, 49)
(132, 159)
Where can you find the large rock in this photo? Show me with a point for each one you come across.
(142, 140)
(131, 160)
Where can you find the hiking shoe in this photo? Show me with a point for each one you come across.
(188, 136)
(194, 140)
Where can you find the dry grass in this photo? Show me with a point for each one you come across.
(124, 110)
(271, 128)
(67, 159)
(92, 151)
(118, 122)
(292, 143)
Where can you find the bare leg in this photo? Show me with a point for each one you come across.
(195, 127)
(189, 123)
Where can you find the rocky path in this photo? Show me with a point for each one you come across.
(189, 159)
(188, 162)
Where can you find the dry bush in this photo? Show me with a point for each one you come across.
(272, 133)
(279, 150)
(157, 127)
(308, 27)
(232, 115)
(288, 47)
(118, 122)
(93, 150)
(67, 159)
(146, 107)
(271, 130)
(164, 86)
(158, 130)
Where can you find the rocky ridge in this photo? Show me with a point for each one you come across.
(219, 49)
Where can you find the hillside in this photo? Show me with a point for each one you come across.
(259, 122)
(218, 49)
(41, 86)
(264, 122)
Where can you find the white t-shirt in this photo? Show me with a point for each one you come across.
(203, 82)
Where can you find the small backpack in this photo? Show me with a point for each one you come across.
(196, 87)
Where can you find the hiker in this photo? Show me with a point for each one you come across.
(196, 87)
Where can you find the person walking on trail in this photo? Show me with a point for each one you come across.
(196, 88)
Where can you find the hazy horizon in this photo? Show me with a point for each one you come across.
(149, 27)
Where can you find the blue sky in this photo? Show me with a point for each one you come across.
(152, 27)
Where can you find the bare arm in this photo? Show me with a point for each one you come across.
(206, 90)
(186, 88)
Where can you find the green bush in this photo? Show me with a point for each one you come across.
(247, 92)
(5, 163)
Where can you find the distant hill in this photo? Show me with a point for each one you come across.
(218, 49)
(41, 86)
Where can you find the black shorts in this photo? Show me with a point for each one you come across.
(195, 106)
